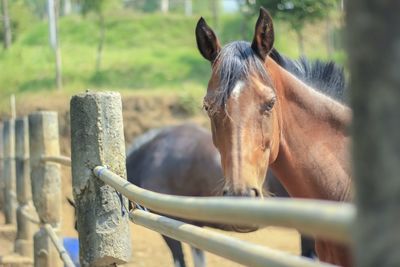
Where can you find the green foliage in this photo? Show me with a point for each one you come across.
(98, 6)
(146, 6)
(296, 12)
(146, 52)
(21, 17)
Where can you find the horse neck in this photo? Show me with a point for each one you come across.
(312, 160)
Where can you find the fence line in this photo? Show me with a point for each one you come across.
(314, 217)
(231, 248)
(329, 219)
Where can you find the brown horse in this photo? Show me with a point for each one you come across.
(262, 115)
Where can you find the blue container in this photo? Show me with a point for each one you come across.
(71, 244)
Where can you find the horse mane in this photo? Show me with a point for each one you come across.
(237, 60)
(326, 77)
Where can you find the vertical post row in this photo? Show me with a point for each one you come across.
(97, 138)
(25, 229)
(46, 183)
(9, 171)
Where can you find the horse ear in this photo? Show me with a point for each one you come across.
(207, 41)
(263, 40)
(71, 202)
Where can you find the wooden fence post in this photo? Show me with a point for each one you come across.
(375, 98)
(97, 138)
(46, 183)
(9, 171)
(25, 228)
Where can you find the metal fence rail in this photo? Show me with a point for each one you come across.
(63, 160)
(231, 248)
(325, 219)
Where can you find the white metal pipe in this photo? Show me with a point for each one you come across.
(231, 248)
(325, 219)
(60, 248)
(63, 160)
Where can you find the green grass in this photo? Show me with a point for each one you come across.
(141, 53)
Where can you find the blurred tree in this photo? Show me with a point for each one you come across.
(6, 25)
(215, 10)
(98, 7)
(20, 17)
(143, 5)
(65, 7)
(296, 12)
(188, 8)
(164, 6)
(39, 7)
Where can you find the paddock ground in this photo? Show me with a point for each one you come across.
(149, 249)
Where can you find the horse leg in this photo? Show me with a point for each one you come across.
(307, 247)
(198, 257)
(175, 247)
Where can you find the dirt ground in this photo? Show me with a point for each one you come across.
(141, 114)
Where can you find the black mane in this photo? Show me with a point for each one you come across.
(326, 77)
(237, 61)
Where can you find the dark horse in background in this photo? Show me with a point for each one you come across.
(264, 116)
(182, 160)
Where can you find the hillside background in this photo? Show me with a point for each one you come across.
(146, 50)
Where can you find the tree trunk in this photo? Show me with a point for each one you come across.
(6, 25)
(329, 37)
(102, 28)
(300, 40)
(164, 6)
(374, 57)
(215, 13)
(188, 8)
(66, 7)
(53, 32)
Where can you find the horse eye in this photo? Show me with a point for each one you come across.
(266, 107)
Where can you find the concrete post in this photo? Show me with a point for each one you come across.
(9, 171)
(1, 169)
(97, 138)
(46, 183)
(25, 228)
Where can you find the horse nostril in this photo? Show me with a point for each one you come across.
(254, 192)
(224, 192)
